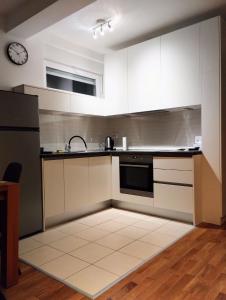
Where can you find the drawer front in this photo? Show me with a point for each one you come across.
(176, 163)
(176, 176)
(173, 197)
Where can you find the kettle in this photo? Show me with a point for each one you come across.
(109, 143)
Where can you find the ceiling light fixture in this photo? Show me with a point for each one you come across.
(101, 30)
(102, 25)
(110, 28)
(94, 34)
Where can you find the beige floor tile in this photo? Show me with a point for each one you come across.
(175, 228)
(114, 241)
(133, 232)
(130, 214)
(111, 212)
(68, 243)
(141, 250)
(126, 219)
(147, 225)
(119, 263)
(159, 239)
(27, 245)
(41, 255)
(91, 252)
(64, 266)
(111, 226)
(72, 228)
(92, 234)
(91, 280)
(100, 248)
(150, 218)
(94, 219)
(49, 236)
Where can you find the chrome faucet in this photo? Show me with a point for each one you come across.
(68, 146)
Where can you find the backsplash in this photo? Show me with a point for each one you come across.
(174, 128)
(171, 129)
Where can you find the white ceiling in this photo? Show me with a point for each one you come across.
(136, 20)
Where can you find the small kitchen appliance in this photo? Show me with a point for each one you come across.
(109, 143)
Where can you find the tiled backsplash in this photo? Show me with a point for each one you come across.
(175, 128)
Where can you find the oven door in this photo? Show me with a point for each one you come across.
(136, 179)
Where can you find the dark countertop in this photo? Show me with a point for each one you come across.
(92, 153)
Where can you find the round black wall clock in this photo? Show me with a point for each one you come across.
(17, 53)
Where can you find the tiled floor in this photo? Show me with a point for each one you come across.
(93, 253)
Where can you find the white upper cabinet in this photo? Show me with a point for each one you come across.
(66, 102)
(144, 76)
(84, 104)
(180, 75)
(47, 99)
(115, 82)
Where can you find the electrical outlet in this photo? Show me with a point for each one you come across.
(198, 140)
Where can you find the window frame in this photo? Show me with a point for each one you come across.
(77, 71)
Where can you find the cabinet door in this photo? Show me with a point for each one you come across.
(100, 178)
(50, 100)
(85, 104)
(211, 97)
(173, 163)
(174, 197)
(144, 76)
(180, 75)
(76, 177)
(53, 187)
(115, 82)
(115, 178)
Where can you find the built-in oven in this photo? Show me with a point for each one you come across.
(136, 174)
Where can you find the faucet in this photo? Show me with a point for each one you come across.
(68, 146)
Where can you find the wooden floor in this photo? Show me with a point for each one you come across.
(193, 268)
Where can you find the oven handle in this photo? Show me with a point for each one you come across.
(135, 166)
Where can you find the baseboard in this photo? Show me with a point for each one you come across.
(80, 212)
(169, 214)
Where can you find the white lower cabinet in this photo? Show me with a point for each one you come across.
(70, 184)
(100, 178)
(177, 176)
(174, 180)
(173, 197)
(53, 187)
(76, 181)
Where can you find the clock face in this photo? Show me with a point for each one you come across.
(17, 53)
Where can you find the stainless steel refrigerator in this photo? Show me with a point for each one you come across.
(20, 142)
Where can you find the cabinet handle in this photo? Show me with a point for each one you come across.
(173, 183)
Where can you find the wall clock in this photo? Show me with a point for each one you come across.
(17, 53)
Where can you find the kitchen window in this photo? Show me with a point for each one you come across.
(79, 82)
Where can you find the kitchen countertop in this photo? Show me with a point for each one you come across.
(92, 153)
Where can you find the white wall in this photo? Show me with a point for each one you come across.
(57, 49)
(33, 72)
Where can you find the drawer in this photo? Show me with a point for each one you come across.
(173, 163)
(176, 176)
(173, 197)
